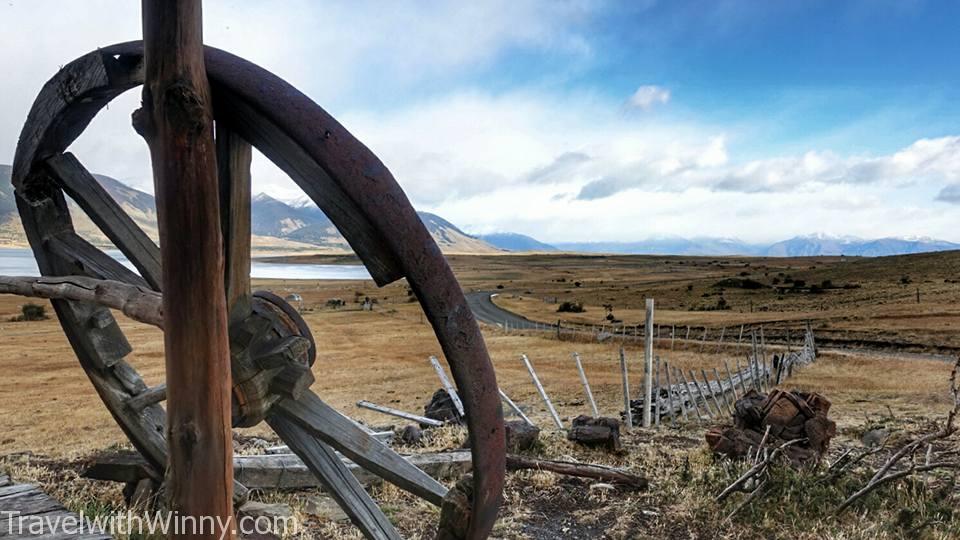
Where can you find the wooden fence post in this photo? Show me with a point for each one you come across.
(586, 385)
(513, 406)
(627, 413)
(451, 391)
(673, 412)
(543, 393)
(723, 392)
(706, 404)
(648, 365)
(656, 395)
(713, 394)
(176, 120)
(693, 399)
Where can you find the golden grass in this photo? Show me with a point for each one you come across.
(49, 408)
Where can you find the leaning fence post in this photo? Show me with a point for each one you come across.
(648, 364)
(706, 404)
(543, 393)
(733, 385)
(693, 398)
(673, 335)
(627, 413)
(673, 412)
(723, 331)
(586, 385)
(451, 391)
(656, 395)
(514, 407)
(713, 395)
(743, 383)
(723, 392)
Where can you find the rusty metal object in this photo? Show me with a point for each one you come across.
(339, 173)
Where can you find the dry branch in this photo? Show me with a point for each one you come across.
(883, 475)
(139, 304)
(582, 470)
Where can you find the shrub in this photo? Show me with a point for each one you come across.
(570, 307)
(31, 312)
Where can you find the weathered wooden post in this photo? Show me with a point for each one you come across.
(177, 122)
(627, 413)
(586, 385)
(648, 365)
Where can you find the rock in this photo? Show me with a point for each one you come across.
(441, 408)
(521, 436)
(411, 435)
(324, 507)
(596, 432)
(875, 437)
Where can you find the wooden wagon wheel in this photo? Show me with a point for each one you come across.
(271, 348)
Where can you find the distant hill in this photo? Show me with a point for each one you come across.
(515, 242)
(667, 246)
(821, 244)
(275, 225)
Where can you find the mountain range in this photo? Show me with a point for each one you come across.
(301, 226)
(799, 246)
(276, 225)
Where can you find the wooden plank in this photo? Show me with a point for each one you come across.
(389, 411)
(288, 471)
(115, 223)
(586, 385)
(4, 480)
(26, 512)
(337, 479)
(542, 391)
(234, 156)
(324, 422)
(447, 385)
(624, 374)
(733, 386)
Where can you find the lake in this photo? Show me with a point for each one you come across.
(20, 262)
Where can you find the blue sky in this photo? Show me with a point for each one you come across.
(587, 120)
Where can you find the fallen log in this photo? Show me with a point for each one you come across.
(603, 473)
(279, 471)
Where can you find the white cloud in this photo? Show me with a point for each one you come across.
(648, 96)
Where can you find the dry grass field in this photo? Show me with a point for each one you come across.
(52, 417)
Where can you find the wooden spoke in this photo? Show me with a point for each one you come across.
(150, 396)
(337, 478)
(100, 207)
(331, 427)
(83, 258)
(233, 170)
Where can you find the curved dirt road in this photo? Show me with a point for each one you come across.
(485, 310)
